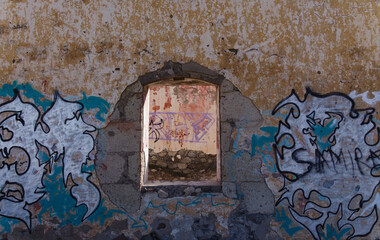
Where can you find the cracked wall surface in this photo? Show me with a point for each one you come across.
(299, 109)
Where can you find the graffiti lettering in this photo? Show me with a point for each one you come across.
(58, 135)
(331, 153)
(181, 127)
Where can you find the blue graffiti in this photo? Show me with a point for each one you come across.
(28, 91)
(322, 132)
(285, 221)
(196, 201)
(7, 223)
(40, 100)
(200, 199)
(262, 144)
(331, 233)
(58, 201)
(93, 102)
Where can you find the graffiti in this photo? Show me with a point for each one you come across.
(31, 143)
(263, 145)
(283, 218)
(364, 96)
(98, 105)
(28, 91)
(58, 201)
(181, 127)
(93, 102)
(141, 223)
(155, 127)
(328, 153)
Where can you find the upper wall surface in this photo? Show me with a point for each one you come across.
(265, 48)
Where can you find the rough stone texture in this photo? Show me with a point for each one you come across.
(121, 137)
(162, 228)
(112, 163)
(178, 71)
(204, 227)
(225, 136)
(257, 197)
(229, 189)
(243, 225)
(182, 165)
(265, 48)
(241, 167)
(125, 196)
(242, 108)
(134, 163)
(182, 228)
(114, 231)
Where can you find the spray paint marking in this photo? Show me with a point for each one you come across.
(198, 200)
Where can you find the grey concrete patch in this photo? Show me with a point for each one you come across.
(123, 195)
(243, 225)
(134, 164)
(225, 136)
(229, 189)
(204, 227)
(111, 167)
(130, 108)
(121, 137)
(162, 228)
(182, 228)
(234, 106)
(257, 197)
(227, 86)
(114, 231)
(241, 167)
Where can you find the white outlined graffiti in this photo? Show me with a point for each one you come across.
(62, 135)
(328, 152)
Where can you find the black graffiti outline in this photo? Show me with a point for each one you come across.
(76, 115)
(155, 130)
(54, 156)
(354, 114)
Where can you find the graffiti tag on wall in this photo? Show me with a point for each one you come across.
(329, 155)
(32, 142)
(182, 127)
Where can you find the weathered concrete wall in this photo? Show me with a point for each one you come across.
(295, 164)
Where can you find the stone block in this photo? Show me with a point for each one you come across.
(225, 136)
(121, 137)
(241, 167)
(135, 87)
(109, 169)
(162, 194)
(181, 225)
(235, 106)
(126, 196)
(257, 197)
(134, 170)
(229, 189)
(226, 86)
(132, 108)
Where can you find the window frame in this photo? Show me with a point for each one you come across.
(145, 135)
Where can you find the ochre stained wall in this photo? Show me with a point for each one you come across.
(266, 48)
(302, 85)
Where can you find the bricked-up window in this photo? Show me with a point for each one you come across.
(181, 133)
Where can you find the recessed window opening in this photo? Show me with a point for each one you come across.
(181, 133)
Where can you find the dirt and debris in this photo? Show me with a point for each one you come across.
(182, 165)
